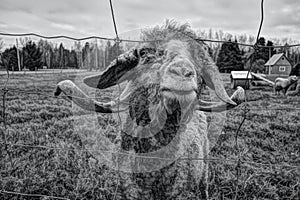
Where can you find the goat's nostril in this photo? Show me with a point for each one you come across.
(183, 72)
(188, 74)
(174, 71)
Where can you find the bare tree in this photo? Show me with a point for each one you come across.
(1, 44)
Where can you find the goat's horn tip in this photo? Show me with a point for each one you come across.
(239, 95)
(232, 103)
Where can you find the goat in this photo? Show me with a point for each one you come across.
(283, 84)
(166, 118)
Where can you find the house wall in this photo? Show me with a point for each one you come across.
(282, 62)
(240, 82)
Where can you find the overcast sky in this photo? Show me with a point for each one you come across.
(80, 18)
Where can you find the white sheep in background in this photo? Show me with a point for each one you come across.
(162, 95)
(283, 84)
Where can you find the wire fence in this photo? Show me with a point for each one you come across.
(13, 91)
(238, 162)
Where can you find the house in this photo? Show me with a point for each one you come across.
(278, 65)
(240, 78)
(246, 78)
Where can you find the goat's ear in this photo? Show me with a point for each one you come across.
(123, 64)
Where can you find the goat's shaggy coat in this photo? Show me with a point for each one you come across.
(283, 84)
(165, 118)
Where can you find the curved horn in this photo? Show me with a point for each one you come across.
(82, 100)
(117, 69)
(238, 97)
(212, 78)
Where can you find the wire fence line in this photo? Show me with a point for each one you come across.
(64, 97)
(237, 162)
(119, 90)
(243, 161)
(246, 110)
(31, 195)
(135, 41)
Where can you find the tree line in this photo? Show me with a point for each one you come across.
(44, 54)
(97, 55)
(230, 56)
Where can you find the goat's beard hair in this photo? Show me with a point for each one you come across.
(150, 106)
(185, 101)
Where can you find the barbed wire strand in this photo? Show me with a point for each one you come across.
(5, 91)
(117, 42)
(151, 157)
(113, 18)
(54, 37)
(135, 41)
(246, 109)
(32, 195)
(261, 20)
(64, 97)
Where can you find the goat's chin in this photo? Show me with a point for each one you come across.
(185, 99)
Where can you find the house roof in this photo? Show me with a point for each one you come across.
(273, 60)
(240, 75)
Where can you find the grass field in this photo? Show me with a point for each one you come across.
(269, 145)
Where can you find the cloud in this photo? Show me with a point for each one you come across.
(282, 19)
(3, 25)
(79, 18)
(66, 27)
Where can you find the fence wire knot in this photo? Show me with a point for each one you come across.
(117, 40)
(246, 108)
(256, 47)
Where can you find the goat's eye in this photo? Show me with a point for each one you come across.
(160, 52)
(142, 53)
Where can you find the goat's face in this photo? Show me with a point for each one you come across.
(178, 74)
(170, 68)
(171, 71)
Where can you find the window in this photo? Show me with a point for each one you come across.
(282, 69)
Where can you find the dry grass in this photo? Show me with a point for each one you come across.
(34, 117)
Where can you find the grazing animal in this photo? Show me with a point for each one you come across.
(166, 116)
(294, 89)
(283, 84)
